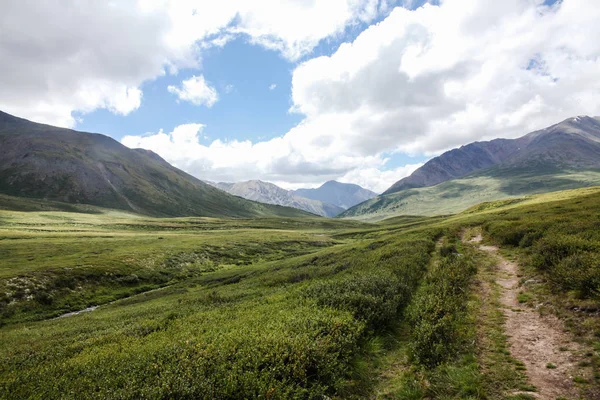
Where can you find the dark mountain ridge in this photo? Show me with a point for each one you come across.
(46, 162)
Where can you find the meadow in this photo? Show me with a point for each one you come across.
(280, 308)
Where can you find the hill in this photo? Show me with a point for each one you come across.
(562, 156)
(344, 195)
(269, 193)
(50, 163)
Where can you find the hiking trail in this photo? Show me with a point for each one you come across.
(534, 340)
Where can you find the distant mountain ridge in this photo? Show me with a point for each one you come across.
(563, 156)
(45, 162)
(269, 193)
(344, 195)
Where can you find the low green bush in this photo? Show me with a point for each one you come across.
(553, 247)
(437, 314)
(579, 272)
(374, 297)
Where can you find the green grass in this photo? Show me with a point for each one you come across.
(278, 307)
(524, 297)
(56, 262)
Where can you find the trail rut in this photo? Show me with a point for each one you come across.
(535, 340)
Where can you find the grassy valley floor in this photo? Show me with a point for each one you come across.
(282, 308)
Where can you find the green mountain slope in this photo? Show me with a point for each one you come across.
(46, 162)
(456, 195)
(563, 156)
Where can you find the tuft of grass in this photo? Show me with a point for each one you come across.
(524, 297)
(551, 366)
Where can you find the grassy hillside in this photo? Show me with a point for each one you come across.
(61, 165)
(457, 195)
(282, 308)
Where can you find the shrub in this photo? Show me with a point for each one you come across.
(373, 297)
(580, 272)
(437, 314)
(447, 250)
(552, 248)
(507, 233)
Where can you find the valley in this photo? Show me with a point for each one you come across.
(296, 307)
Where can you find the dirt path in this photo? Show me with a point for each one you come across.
(534, 340)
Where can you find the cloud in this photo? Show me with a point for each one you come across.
(282, 159)
(272, 86)
(62, 57)
(376, 179)
(420, 81)
(441, 76)
(57, 58)
(197, 91)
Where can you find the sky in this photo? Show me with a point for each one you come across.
(299, 92)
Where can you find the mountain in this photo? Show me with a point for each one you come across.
(56, 164)
(459, 162)
(269, 193)
(344, 195)
(563, 144)
(562, 156)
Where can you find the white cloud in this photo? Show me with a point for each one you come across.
(441, 76)
(197, 91)
(272, 86)
(420, 81)
(61, 57)
(376, 179)
(283, 159)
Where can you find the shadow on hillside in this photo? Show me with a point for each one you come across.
(28, 204)
(532, 183)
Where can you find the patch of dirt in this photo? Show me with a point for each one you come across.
(535, 340)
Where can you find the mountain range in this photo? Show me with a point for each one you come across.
(562, 156)
(329, 200)
(63, 166)
(270, 193)
(55, 164)
(344, 195)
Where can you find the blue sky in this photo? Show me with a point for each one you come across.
(254, 85)
(246, 109)
(299, 92)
